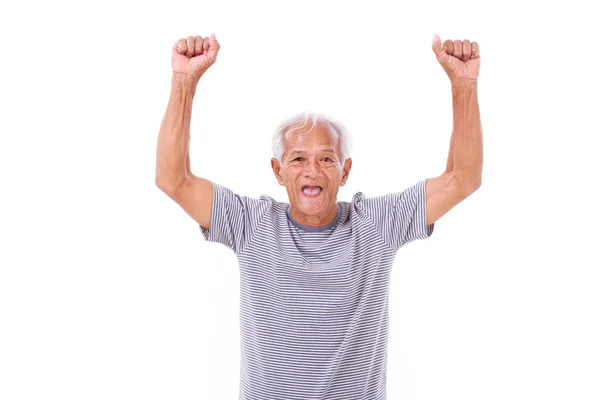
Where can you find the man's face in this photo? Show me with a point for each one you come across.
(312, 173)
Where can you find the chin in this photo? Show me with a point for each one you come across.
(312, 210)
(312, 206)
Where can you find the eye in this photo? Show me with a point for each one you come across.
(297, 159)
(327, 159)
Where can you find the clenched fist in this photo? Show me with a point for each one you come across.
(460, 58)
(193, 56)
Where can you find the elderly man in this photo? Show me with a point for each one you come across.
(315, 272)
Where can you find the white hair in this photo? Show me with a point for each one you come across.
(302, 119)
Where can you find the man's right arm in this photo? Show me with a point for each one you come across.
(190, 58)
(233, 219)
(173, 176)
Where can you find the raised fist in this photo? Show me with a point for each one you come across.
(194, 55)
(460, 58)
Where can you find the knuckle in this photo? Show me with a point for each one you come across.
(449, 46)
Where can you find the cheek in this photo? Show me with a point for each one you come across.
(290, 176)
(335, 174)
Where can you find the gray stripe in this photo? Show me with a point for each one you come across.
(314, 302)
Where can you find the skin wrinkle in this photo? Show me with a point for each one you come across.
(307, 161)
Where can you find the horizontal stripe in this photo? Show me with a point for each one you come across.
(314, 302)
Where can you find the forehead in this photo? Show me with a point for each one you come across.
(304, 139)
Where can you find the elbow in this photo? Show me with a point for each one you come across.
(163, 185)
(476, 184)
(469, 181)
(168, 184)
(160, 183)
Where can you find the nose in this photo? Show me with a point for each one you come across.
(311, 168)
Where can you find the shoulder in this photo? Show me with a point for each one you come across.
(358, 199)
(389, 205)
(224, 193)
(355, 208)
(274, 209)
(415, 191)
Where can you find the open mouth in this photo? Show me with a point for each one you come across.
(312, 191)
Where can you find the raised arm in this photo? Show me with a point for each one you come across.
(462, 177)
(190, 58)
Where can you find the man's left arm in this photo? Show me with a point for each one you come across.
(462, 177)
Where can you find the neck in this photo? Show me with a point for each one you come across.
(313, 220)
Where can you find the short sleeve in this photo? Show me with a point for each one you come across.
(400, 217)
(234, 219)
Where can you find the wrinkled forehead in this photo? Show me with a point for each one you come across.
(321, 134)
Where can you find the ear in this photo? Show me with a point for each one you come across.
(276, 166)
(346, 171)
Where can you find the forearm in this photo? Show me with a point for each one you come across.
(450, 160)
(172, 153)
(465, 158)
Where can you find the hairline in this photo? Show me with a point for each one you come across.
(299, 121)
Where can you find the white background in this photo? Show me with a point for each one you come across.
(108, 291)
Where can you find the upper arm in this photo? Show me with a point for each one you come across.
(195, 196)
(399, 217)
(224, 216)
(444, 192)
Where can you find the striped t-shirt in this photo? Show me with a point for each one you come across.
(314, 301)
